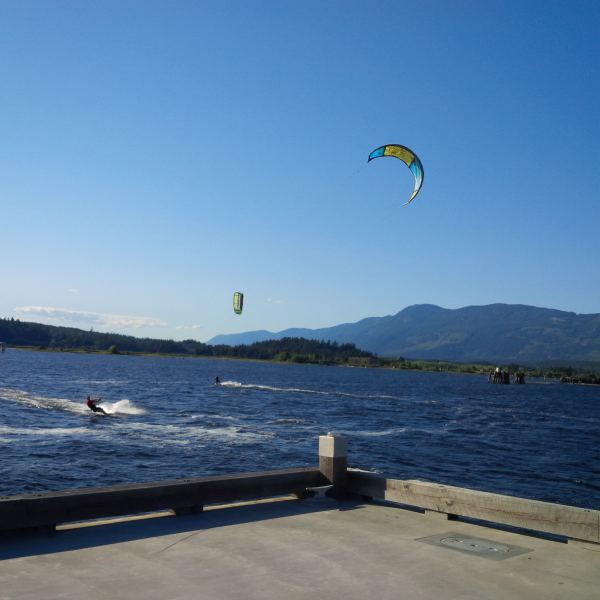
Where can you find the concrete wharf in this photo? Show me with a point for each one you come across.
(276, 535)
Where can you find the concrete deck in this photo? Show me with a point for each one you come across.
(288, 550)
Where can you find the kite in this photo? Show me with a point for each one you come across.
(408, 157)
(238, 302)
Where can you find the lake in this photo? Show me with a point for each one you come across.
(168, 420)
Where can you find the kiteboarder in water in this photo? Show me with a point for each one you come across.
(92, 404)
(217, 380)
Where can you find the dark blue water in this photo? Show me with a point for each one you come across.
(538, 441)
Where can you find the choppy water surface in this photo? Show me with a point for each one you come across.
(168, 420)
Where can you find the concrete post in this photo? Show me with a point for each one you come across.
(333, 462)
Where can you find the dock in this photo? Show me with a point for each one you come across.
(327, 532)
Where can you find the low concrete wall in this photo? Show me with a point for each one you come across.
(182, 495)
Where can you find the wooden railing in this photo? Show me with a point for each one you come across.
(568, 521)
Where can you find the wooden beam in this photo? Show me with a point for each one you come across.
(569, 521)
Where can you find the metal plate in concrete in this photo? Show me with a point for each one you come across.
(474, 546)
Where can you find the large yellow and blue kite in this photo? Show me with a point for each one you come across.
(408, 157)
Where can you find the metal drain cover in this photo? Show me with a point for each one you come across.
(476, 546)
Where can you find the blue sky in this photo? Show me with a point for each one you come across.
(157, 156)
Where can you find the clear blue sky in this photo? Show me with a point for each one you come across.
(157, 156)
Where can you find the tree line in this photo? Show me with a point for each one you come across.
(51, 337)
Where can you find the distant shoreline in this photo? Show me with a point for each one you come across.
(437, 366)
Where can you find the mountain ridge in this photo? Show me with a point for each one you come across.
(493, 332)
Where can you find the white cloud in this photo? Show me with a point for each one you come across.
(64, 316)
(273, 301)
(189, 327)
(73, 291)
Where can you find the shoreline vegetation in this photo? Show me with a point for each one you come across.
(36, 336)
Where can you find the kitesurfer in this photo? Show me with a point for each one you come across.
(217, 380)
(92, 404)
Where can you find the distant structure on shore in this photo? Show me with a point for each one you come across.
(500, 376)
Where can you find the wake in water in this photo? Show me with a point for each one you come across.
(270, 388)
(43, 402)
(122, 407)
(61, 404)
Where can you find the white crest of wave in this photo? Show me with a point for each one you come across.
(58, 431)
(380, 433)
(211, 417)
(177, 434)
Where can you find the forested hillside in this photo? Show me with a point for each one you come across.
(48, 337)
(495, 332)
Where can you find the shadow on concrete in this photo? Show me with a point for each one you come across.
(23, 544)
(480, 522)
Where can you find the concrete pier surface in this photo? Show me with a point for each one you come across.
(291, 549)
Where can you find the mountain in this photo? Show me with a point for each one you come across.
(495, 332)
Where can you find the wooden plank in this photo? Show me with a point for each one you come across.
(50, 508)
(569, 521)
